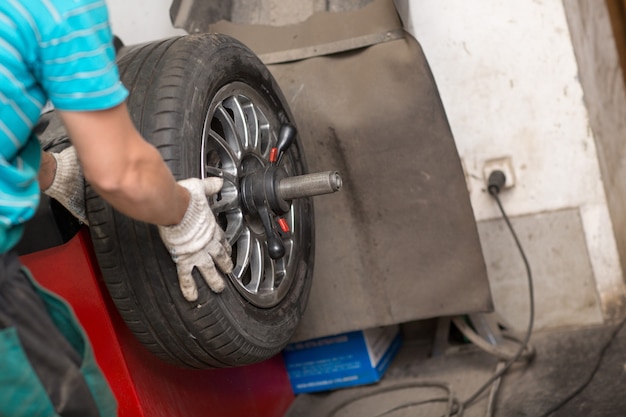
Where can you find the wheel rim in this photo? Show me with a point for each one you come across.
(239, 131)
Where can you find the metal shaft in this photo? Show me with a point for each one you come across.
(309, 185)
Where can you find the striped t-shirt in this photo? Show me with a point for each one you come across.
(56, 50)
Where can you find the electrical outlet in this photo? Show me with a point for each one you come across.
(504, 164)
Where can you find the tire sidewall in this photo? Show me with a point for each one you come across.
(229, 61)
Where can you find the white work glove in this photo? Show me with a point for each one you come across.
(68, 186)
(197, 241)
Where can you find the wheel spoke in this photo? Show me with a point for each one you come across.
(262, 134)
(234, 141)
(268, 284)
(257, 262)
(264, 140)
(236, 226)
(213, 171)
(244, 250)
(252, 124)
(217, 157)
(226, 204)
(241, 126)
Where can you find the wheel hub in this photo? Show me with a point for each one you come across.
(259, 196)
(257, 206)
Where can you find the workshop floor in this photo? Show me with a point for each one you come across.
(586, 364)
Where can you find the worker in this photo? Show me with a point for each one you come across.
(61, 52)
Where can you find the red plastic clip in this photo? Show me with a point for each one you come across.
(274, 155)
(284, 226)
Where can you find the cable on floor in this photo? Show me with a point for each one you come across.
(494, 350)
(493, 394)
(451, 399)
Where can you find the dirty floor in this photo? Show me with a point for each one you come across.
(575, 372)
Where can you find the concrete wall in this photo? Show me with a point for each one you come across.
(510, 84)
(509, 80)
(138, 21)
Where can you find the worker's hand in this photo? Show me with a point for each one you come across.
(68, 186)
(197, 241)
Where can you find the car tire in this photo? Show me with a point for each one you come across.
(210, 107)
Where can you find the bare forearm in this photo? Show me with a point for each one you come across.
(123, 168)
(149, 207)
(147, 192)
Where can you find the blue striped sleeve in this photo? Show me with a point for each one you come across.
(57, 50)
(77, 58)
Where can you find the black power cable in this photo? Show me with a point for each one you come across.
(450, 399)
(495, 183)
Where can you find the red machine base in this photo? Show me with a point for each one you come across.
(144, 385)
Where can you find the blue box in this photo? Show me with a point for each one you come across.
(344, 360)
